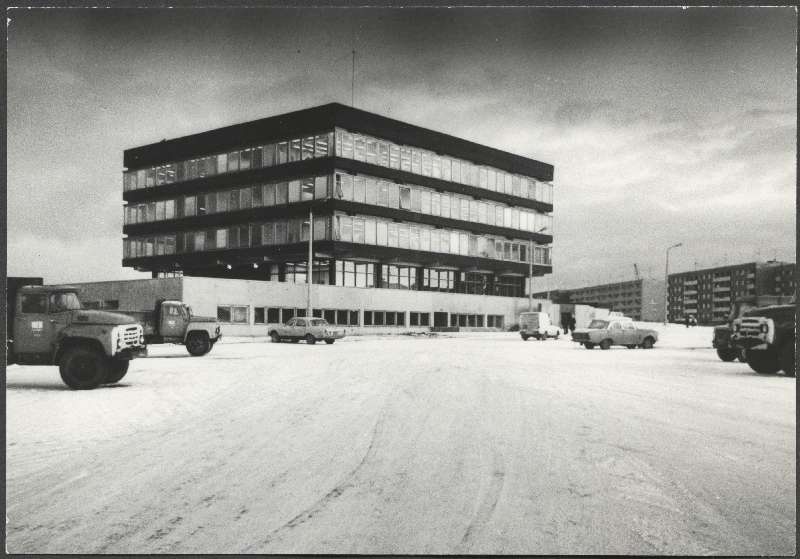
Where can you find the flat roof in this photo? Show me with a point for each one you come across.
(324, 118)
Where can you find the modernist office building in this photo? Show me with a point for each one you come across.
(640, 299)
(709, 294)
(395, 207)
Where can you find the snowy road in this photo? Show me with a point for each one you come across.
(475, 443)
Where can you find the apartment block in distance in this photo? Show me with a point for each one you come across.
(641, 299)
(391, 208)
(709, 294)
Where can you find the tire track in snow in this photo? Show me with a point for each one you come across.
(340, 487)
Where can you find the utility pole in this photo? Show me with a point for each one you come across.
(353, 83)
(530, 271)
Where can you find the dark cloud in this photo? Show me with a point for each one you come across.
(660, 122)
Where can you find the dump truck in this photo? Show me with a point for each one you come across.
(767, 335)
(173, 322)
(46, 325)
(722, 334)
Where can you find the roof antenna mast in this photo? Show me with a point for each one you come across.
(353, 84)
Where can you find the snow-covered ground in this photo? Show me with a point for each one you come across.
(455, 443)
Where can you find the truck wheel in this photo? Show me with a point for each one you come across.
(117, 369)
(274, 337)
(198, 344)
(310, 339)
(589, 345)
(727, 354)
(329, 342)
(525, 337)
(605, 344)
(787, 358)
(83, 368)
(647, 343)
(764, 362)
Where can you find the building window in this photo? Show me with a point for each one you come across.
(232, 314)
(258, 315)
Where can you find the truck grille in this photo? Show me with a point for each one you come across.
(751, 327)
(131, 336)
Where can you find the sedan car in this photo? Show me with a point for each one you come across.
(308, 329)
(615, 331)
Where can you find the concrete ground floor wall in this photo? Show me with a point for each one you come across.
(207, 295)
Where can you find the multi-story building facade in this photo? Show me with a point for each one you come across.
(394, 206)
(709, 294)
(640, 299)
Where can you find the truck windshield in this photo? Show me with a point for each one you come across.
(64, 301)
(598, 324)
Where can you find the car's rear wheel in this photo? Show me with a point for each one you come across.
(647, 343)
(329, 342)
(605, 344)
(310, 339)
(524, 337)
(274, 337)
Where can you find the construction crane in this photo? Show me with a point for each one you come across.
(635, 271)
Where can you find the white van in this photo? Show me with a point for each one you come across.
(537, 325)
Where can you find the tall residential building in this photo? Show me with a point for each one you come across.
(394, 206)
(641, 299)
(709, 294)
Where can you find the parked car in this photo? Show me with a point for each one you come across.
(615, 331)
(308, 329)
(537, 325)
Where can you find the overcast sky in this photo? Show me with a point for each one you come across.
(664, 125)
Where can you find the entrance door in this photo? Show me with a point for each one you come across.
(440, 319)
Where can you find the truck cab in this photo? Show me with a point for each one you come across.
(47, 325)
(767, 334)
(172, 321)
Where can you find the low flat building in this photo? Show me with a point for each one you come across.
(641, 299)
(246, 307)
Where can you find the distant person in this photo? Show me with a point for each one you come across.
(692, 320)
(571, 324)
(686, 320)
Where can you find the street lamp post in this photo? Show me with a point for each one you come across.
(530, 271)
(530, 275)
(666, 283)
(310, 267)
